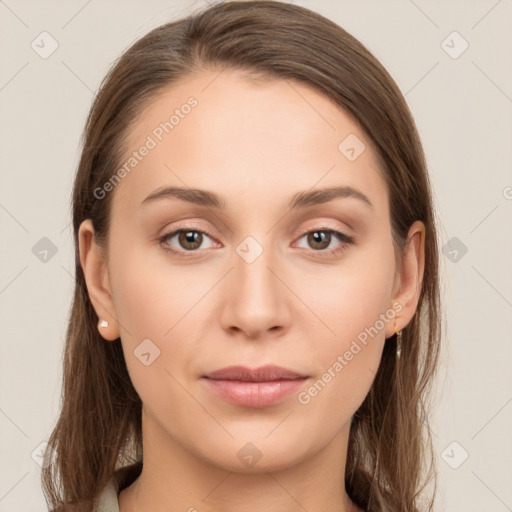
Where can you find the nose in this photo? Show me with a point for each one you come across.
(255, 298)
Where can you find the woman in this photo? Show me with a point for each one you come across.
(256, 318)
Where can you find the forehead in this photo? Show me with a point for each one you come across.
(220, 130)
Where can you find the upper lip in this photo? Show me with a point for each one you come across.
(261, 374)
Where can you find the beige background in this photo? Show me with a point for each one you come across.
(463, 110)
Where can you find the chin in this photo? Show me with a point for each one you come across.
(257, 455)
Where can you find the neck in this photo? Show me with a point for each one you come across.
(175, 478)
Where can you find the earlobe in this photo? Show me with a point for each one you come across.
(96, 276)
(410, 276)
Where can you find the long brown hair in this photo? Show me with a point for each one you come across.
(390, 457)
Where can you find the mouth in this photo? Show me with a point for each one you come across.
(260, 387)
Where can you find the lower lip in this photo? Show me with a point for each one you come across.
(254, 394)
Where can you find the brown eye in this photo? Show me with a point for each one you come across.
(190, 240)
(187, 240)
(319, 240)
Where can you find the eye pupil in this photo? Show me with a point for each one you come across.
(190, 237)
(319, 237)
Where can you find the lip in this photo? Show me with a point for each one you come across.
(259, 387)
(265, 373)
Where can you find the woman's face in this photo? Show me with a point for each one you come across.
(255, 281)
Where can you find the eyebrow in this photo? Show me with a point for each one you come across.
(299, 200)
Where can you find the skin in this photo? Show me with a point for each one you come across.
(255, 144)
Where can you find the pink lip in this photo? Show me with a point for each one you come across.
(260, 387)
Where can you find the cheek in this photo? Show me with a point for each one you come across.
(162, 303)
(354, 306)
(348, 299)
(346, 362)
(151, 295)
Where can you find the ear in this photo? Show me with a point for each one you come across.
(95, 271)
(409, 278)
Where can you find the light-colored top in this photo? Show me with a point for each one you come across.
(108, 498)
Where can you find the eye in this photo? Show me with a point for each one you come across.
(188, 239)
(320, 240)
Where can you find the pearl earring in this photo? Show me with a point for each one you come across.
(103, 323)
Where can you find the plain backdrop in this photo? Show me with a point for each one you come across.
(452, 61)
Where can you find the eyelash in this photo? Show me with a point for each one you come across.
(343, 237)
